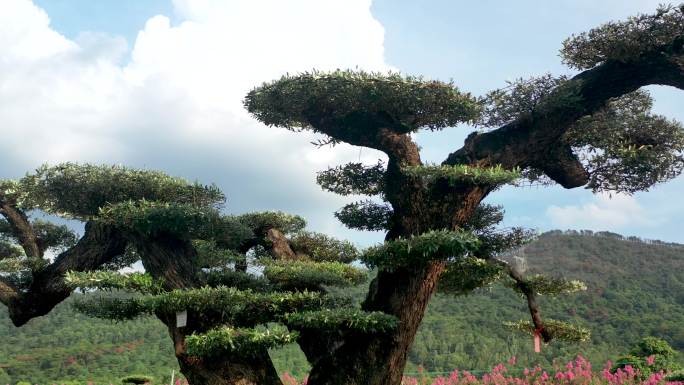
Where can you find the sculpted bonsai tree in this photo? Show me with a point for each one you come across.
(594, 129)
(225, 286)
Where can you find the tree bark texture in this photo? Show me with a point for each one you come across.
(532, 140)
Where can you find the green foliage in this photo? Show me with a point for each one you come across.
(625, 147)
(520, 97)
(243, 341)
(495, 242)
(260, 221)
(210, 255)
(559, 330)
(625, 40)
(348, 100)
(55, 237)
(429, 246)
(108, 280)
(137, 379)
(217, 305)
(663, 356)
(153, 218)
(9, 250)
(353, 178)
(485, 217)
(467, 274)
(365, 215)
(237, 279)
(298, 275)
(115, 309)
(546, 285)
(14, 264)
(634, 289)
(463, 174)
(677, 375)
(10, 191)
(79, 191)
(321, 248)
(343, 319)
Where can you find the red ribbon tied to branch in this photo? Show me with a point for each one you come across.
(537, 340)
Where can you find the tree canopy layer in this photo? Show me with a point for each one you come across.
(228, 287)
(594, 129)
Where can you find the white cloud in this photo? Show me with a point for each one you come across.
(613, 212)
(177, 104)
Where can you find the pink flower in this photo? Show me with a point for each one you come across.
(512, 360)
(650, 360)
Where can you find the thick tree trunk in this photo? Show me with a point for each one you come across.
(225, 371)
(381, 360)
(403, 292)
(172, 259)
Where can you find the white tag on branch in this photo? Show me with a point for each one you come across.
(181, 318)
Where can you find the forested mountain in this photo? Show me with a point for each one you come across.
(635, 289)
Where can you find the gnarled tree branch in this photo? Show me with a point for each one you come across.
(22, 229)
(99, 245)
(543, 128)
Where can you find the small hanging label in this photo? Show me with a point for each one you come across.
(537, 341)
(181, 318)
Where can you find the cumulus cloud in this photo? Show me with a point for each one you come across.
(176, 103)
(616, 211)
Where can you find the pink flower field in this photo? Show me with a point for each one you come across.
(577, 372)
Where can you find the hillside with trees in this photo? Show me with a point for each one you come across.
(635, 289)
(595, 129)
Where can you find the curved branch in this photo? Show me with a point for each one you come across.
(22, 229)
(532, 140)
(7, 292)
(99, 245)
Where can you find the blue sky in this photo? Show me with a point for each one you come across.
(101, 91)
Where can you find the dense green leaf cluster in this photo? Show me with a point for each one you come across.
(625, 40)
(627, 148)
(430, 246)
(52, 236)
(246, 341)
(343, 319)
(284, 222)
(107, 280)
(663, 356)
(321, 248)
(467, 274)
(463, 174)
(299, 275)
(546, 285)
(220, 305)
(14, 264)
(115, 309)
(353, 178)
(559, 330)
(79, 191)
(152, 218)
(365, 215)
(210, 254)
(399, 103)
(237, 279)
